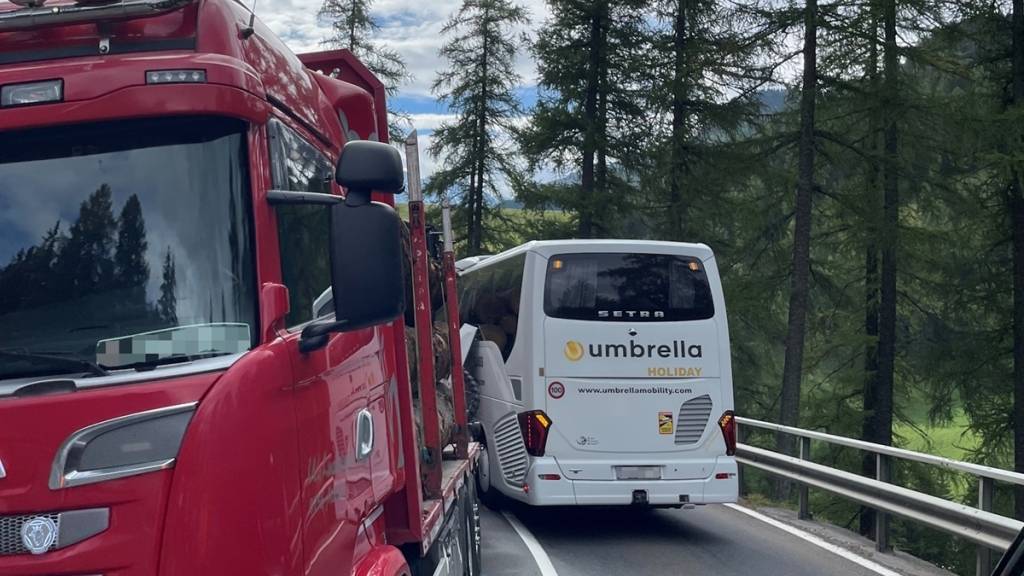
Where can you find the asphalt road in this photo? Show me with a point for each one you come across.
(709, 540)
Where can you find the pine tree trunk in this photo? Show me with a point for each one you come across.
(477, 219)
(601, 175)
(677, 211)
(586, 225)
(798, 297)
(1017, 190)
(352, 23)
(889, 234)
(470, 203)
(867, 515)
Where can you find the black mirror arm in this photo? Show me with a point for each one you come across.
(315, 335)
(356, 197)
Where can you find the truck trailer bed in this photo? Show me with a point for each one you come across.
(434, 511)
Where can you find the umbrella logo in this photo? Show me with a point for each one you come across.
(573, 351)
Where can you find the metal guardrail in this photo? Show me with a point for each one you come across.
(990, 531)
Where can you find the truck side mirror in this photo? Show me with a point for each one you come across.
(365, 166)
(365, 244)
(366, 265)
(366, 248)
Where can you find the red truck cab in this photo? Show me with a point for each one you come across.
(200, 370)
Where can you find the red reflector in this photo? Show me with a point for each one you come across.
(549, 476)
(526, 488)
(722, 476)
(534, 425)
(728, 425)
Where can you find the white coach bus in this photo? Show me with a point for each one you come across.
(604, 373)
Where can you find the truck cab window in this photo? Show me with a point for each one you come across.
(302, 231)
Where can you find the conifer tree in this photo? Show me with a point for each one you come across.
(1016, 188)
(589, 122)
(131, 267)
(167, 305)
(354, 28)
(792, 372)
(86, 262)
(707, 61)
(478, 85)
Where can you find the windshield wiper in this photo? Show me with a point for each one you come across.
(165, 361)
(54, 364)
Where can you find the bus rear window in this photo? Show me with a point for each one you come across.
(621, 287)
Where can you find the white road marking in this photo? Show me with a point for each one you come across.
(820, 543)
(539, 555)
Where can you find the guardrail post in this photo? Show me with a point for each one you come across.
(805, 503)
(986, 486)
(740, 439)
(883, 474)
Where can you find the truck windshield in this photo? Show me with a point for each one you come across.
(124, 245)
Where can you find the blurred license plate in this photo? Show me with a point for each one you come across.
(638, 472)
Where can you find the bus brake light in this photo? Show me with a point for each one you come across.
(535, 425)
(728, 425)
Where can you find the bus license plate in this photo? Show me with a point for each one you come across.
(638, 472)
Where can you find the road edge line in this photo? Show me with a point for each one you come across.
(540, 557)
(819, 542)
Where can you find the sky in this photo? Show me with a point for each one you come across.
(411, 27)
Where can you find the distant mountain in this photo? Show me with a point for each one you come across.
(772, 101)
(510, 204)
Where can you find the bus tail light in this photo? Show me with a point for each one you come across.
(728, 425)
(535, 425)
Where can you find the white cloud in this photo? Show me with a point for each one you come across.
(430, 122)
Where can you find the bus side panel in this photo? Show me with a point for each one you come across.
(724, 343)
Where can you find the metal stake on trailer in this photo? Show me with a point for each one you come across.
(454, 337)
(424, 323)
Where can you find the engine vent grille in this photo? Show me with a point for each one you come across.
(511, 450)
(10, 533)
(693, 419)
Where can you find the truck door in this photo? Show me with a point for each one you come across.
(335, 424)
(332, 384)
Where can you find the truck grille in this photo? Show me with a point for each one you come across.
(693, 419)
(511, 450)
(10, 533)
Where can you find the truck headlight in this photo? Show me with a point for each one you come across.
(126, 446)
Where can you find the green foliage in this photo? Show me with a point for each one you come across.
(479, 87)
(590, 123)
(354, 27)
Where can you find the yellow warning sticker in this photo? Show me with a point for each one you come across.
(664, 422)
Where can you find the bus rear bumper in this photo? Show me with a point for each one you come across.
(545, 490)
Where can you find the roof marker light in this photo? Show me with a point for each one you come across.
(31, 93)
(176, 77)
